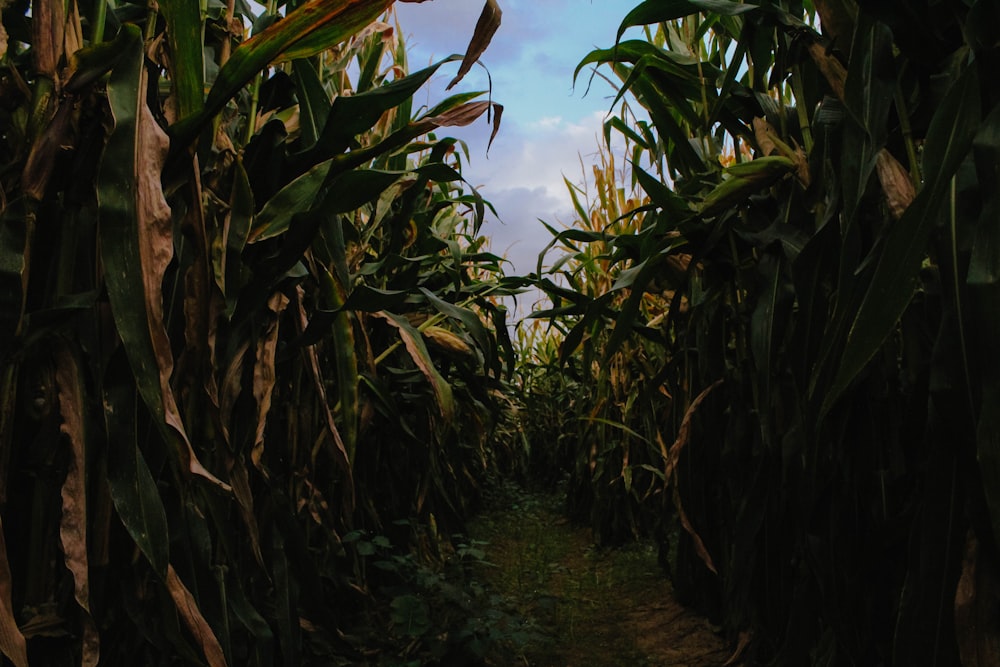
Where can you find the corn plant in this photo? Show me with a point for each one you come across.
(828, 335)
(244, 311)
(596, 423)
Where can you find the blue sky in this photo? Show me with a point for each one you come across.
(547, 127)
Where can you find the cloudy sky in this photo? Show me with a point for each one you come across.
(547, 125)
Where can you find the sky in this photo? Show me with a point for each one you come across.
(547, 126)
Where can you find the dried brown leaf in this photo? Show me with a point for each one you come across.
(156, 250)
(486, 27)
(831, 68)
(240, 480)
(742, 641)
(45, 150)
(12, 642)
(73, 33)
(331, 434)
(837, 18)
(48, 22)
(73, 523)
(764, 134)
(771, 144)
(684, 432)
(264, 374)
(977, 614)
(896, 183)
(194, 620)
(670, 467)
(699, 545)
(466, 115)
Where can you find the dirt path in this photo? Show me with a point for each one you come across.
(591, 607)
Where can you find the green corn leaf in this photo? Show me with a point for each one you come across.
(984, 294)
(345, 359)
(984, 265)
(92, 62)
(948, 140)
(660, 193)
(347, 192)
(314, 104)
(744, 179)
(232, 273)
(337, 19)
(636, 280)
(130, 482)
(762, 334)
(187, 61)
(286, 597)
(351, 115)
(660, 11)
(362, 298)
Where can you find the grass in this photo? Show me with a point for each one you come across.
(594, 606)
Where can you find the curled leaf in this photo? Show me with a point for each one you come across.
(486, 27)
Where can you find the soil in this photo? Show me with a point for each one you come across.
(589, 606)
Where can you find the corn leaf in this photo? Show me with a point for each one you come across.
(13, 274)
(11, 640)
(469, 320)
(350, 115)
(195, 621)
(314, 104)
(414, 344)
(486, 27)
(335, 20)
(137, 244)
(984, 293)
(187, 60)
(948, 141)
(660, 11)
(73, 526)
(132, 486)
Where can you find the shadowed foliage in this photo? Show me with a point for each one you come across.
(787, 334)
(247, 323)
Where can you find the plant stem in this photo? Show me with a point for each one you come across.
(97, 22)
(255, 90)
